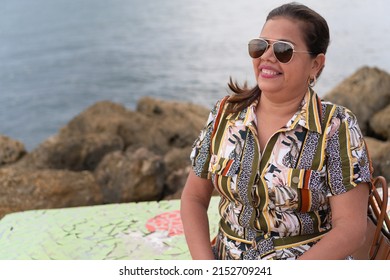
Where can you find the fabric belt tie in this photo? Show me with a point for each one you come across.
(264, 246)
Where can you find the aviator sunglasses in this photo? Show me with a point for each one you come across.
(282, 50)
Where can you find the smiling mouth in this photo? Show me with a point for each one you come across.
(269, 73)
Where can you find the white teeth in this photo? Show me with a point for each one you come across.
(268, 72)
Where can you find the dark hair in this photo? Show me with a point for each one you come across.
(314, 26)
(316, 36)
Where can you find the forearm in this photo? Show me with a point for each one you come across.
(349, 219)
(196, 228)
(336, 245)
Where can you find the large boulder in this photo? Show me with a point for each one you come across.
(77, 153)
(106, 154)
(109, 118)
(10, 150)
(179, 123)
(175, 182)
(131, 176)
(380, 123)
(24, 189)
(366, 92)
(156, 124)
(177, 163)
(380, 156)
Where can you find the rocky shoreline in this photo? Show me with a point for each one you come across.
(109, 154)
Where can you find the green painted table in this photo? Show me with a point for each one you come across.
(137, 231)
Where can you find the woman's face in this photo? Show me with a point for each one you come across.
(274, 77)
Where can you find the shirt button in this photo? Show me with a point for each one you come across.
(217, 167)
(295, 180)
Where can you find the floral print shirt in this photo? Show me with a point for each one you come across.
(274, 205)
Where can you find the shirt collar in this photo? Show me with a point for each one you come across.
(308, 115)
(247, 116)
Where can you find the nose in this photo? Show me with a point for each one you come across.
(268, 54)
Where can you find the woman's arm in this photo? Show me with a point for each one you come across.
(194, 204)
(349, 222)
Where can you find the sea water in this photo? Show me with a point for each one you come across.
(57, 57)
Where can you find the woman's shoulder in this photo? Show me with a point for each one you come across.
(220, 104)
(337, 110)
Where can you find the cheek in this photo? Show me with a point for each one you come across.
(299, 70)
(297, 76)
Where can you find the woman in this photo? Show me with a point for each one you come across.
(292, 171)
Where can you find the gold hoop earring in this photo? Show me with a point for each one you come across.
(312, 81)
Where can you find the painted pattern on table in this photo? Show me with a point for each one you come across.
(148, 230)
(142, 231)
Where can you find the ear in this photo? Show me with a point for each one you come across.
(318, 64)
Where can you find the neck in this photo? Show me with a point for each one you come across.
(278, 108)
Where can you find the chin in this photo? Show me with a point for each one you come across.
(268, 87)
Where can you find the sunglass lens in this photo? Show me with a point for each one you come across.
(283, 51)
(257, 47)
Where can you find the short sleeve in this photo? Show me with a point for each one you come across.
(348, 162)
(200, 154)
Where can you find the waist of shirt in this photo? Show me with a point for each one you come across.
(278, 242)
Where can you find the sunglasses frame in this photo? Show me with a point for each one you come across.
(273, 48)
